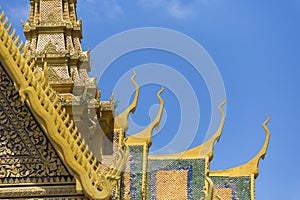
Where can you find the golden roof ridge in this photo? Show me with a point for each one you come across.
(43, 101)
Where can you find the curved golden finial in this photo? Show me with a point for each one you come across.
(207, 149)
(121, 121)
(263, 151)
(146, 134)
(252, 165)
(250, 168)
(202, 151)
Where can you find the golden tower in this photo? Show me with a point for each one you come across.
(53, 35)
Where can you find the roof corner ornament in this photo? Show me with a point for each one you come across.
(204, 150)
(251, 167)
(121, 121)
(253, 164)
(146, 134)
(207, 149)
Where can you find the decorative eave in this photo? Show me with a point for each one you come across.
(251, 167)
(203, 151)
(76, 59)
(49, 27)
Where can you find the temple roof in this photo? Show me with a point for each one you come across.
(43, 101)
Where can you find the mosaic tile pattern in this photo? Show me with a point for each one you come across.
(171, 188)
(125, 184)
(69, 44)
(240, 187)
(77, 44)
(131, 182)
(186, 174)
(33, 45)
(51, 8)
(223, 193)
(58, 74)
(56, 39)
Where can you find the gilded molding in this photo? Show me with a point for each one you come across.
(252, 187)
(38, 191)
(250, 168)
(34, 88)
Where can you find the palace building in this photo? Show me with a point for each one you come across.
(58, 140)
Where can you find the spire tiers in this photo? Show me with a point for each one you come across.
(41, 11)
(53, 35)
(53, 24)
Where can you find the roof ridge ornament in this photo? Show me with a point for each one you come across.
(251, 167)
(121, 121)
(146, 134)
(204, 150)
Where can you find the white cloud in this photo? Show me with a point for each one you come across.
(179, 11)
(175, 8)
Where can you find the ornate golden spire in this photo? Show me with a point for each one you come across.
(54, 33)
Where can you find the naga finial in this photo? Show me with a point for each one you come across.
(202, 151)
(253, 164)
(121, 121)
(207, 149)
(146, 134)
(251, 167)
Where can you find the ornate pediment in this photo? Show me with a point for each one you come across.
(50, 48)
(51, 17)
(52, 20)
(52, 76)
(27, 155)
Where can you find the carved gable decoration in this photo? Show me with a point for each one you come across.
(52, 18)
(50, 49)
(52, 76)
(27, 155)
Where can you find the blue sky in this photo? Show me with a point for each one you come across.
(255, 45)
